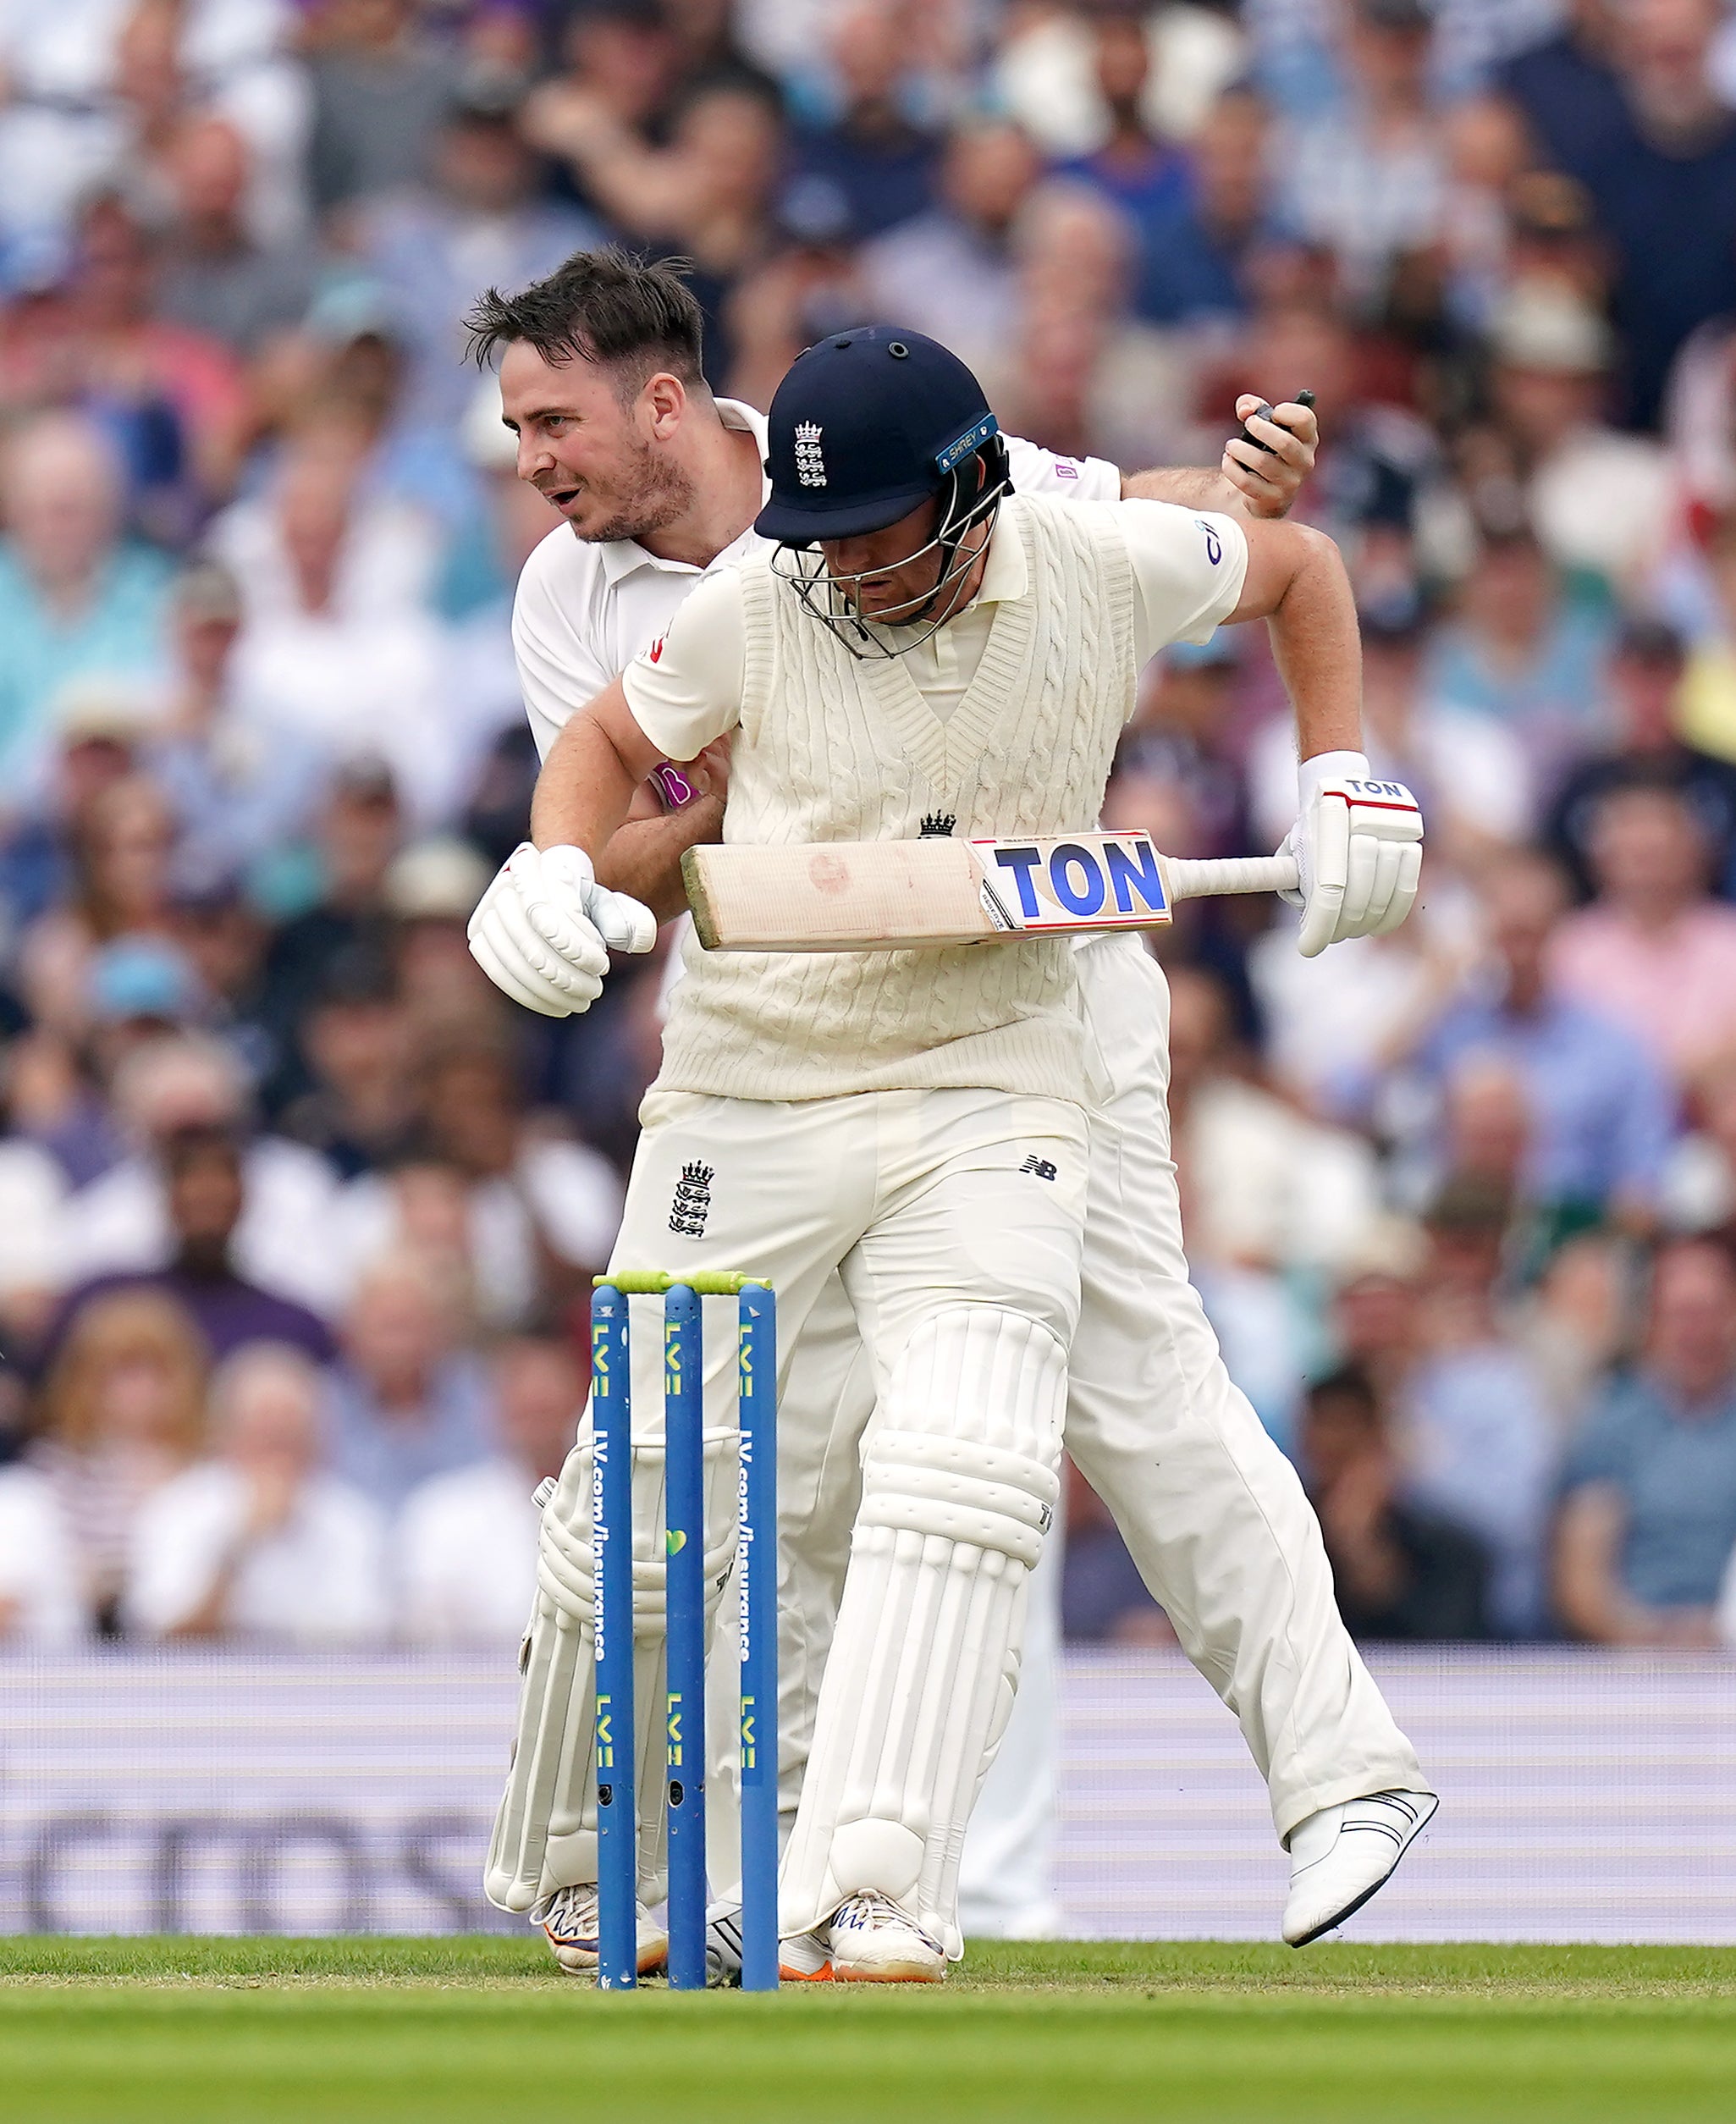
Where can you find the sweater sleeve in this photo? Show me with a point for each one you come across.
(686, 690)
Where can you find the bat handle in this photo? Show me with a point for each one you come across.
(1191, 878)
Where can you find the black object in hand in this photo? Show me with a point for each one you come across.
(1264, 412)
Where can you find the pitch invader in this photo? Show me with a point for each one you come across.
(924, 1363)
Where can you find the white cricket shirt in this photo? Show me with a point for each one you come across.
(686, 688)
(584, 611)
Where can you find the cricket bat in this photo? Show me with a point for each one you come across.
(897, 896)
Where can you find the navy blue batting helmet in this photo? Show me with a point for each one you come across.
(867, 425)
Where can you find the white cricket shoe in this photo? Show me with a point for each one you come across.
(569, 1920)
(874, 1941)
(1339, 1856)
(806, 1957)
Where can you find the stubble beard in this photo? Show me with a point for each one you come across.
(655, 494)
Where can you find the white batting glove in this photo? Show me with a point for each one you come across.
(543, 930)
(1358, 851)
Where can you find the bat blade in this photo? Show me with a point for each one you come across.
(890, 896)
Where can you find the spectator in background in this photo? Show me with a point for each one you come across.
(1704, 595)
(75, 597)
(432, 891)
(1182, 734)
(1662, 175)
(1328, 1018)
(1653, 952)
(1599, 1109)
(41, 1601)
(1143, 176)
(478, 222)
(709, 193)
(1084, 378)
(33, 1191)
(257, 1542)
(1201, 250)
(282, 1243)
(620, 63)
(949, 273)
(175, 398)
(215, 277)
(206, 1195)
(1564, 87)
(1369, 182)
(1648, 1514)
(1469, 770)
(539, 1212)
(359, 828)
(1267, 1186)
(1602, 502)
(870, 166)
(346, 664)
(358, 1041)
(380, 87)
(122, 857)
(465, 1543)
(237, 787)
(99, 729)
(122, 1412)
(1399, 1571)
(1480, 1435)
(1701, 1192)
(406, 1403)
(1517, 652)
(1644, 683)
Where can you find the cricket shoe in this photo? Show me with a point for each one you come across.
(1339, 1856)
(874, 1941)
(569, 1919)
(722, 1943)
(806, 1957)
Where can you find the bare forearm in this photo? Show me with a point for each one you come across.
(644, 857)
(1187, 486)
(1259, 477)
(586, 785)
(1318, 652)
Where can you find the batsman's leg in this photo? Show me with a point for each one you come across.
(765, 1215)
(966, 1289)
(1212, 1513)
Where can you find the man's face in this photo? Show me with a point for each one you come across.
(899, 567)
(205, 1199)
(601, 464)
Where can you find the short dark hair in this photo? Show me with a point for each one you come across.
(608, 306)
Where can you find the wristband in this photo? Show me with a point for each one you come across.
(674, 787)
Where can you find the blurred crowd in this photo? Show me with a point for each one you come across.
(298, 1216)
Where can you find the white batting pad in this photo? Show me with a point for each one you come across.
(959, 1488)
(545, 1830)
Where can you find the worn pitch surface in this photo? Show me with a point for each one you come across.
(436, 2031)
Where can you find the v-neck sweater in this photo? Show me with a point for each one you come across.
(832, 747)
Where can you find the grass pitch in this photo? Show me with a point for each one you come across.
(468, 2030)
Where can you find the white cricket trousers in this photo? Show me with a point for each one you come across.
(1211, 1511)
(886, 1210)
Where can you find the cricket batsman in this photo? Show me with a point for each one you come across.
(1212, 1512)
